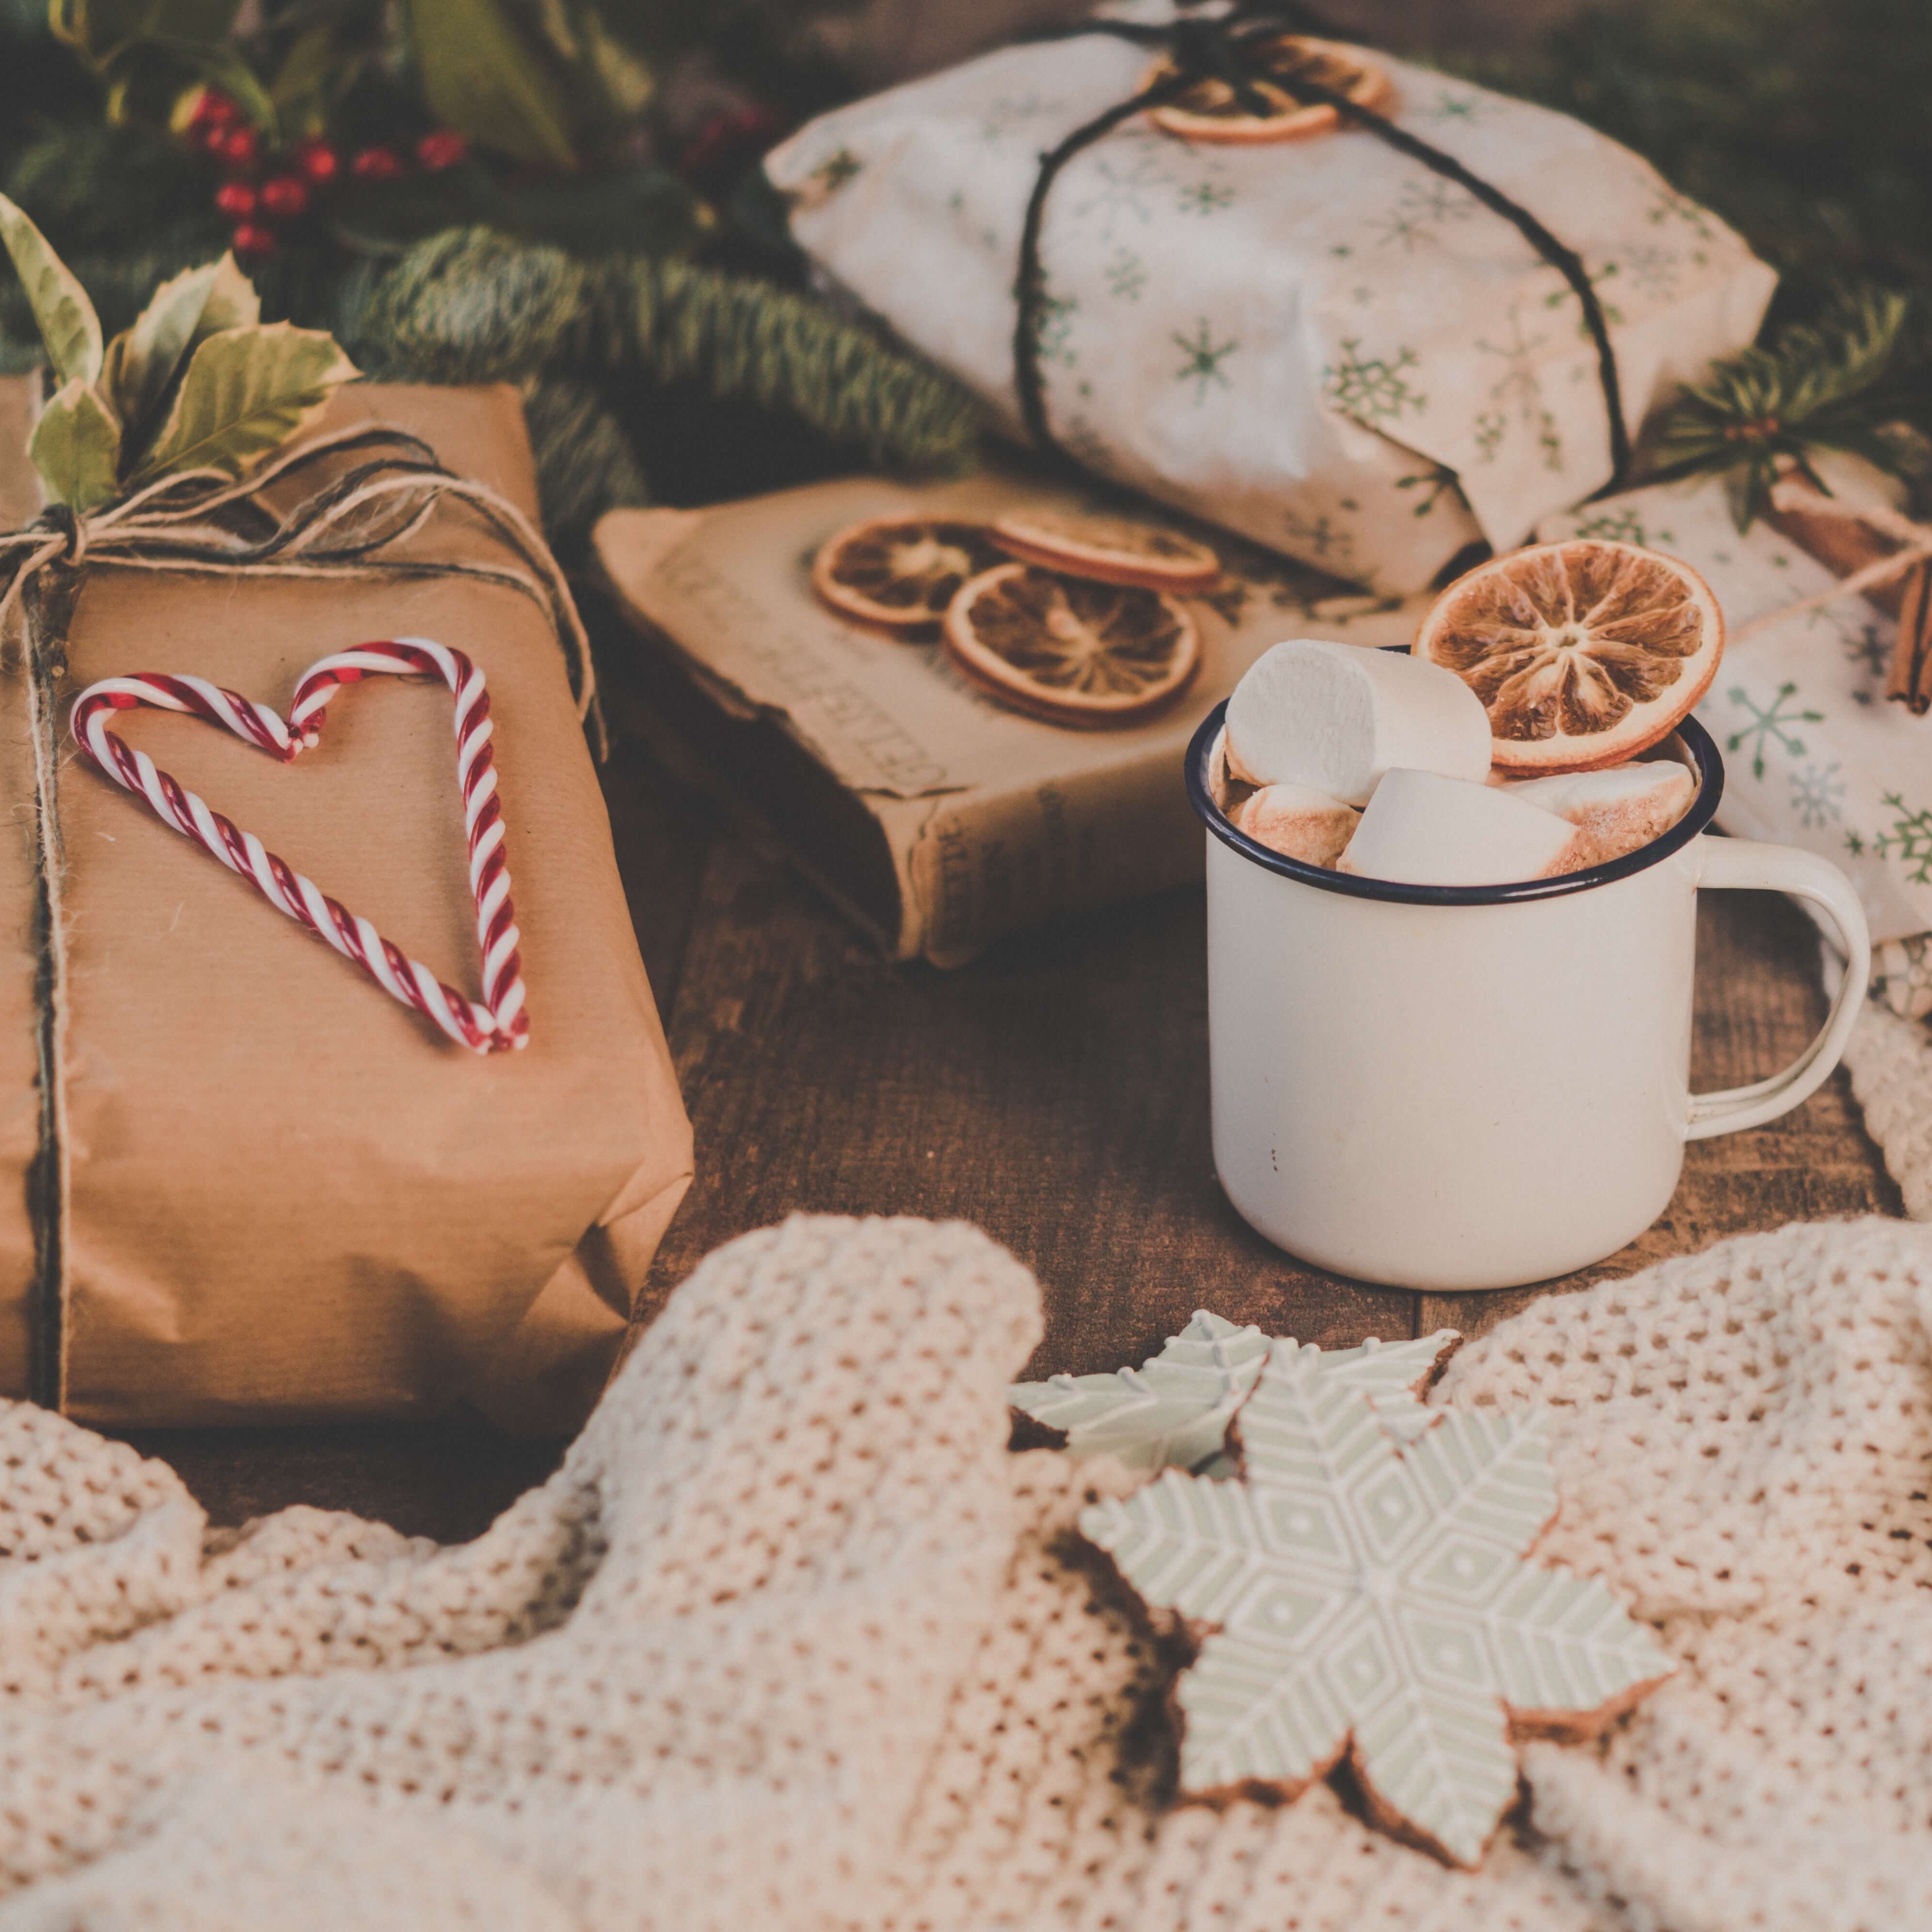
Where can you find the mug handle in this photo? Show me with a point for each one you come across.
(1743, 865)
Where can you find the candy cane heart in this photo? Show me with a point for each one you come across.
(500, 1020)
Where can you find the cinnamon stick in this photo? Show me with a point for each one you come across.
(1910, 679)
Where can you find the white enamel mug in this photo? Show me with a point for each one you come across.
(1468, 1086)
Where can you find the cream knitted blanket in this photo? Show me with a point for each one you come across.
(792, 1641)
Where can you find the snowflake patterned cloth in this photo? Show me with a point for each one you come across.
(1322, 345)
(1365, 1591)
(1173, 1410)
(1813, 754)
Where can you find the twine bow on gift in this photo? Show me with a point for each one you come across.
(203, 522)
(1231, 47)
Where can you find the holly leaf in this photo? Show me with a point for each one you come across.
(247, 391)
(77, 449)
(67, 323)
(101, 28)
(184, 311)
(482, 76)
(317, 70)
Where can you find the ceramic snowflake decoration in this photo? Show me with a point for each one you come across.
(1175, 1409)
(1365, 1591)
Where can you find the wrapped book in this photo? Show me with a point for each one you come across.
(938, 817)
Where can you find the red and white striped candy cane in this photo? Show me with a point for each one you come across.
(500, 1021)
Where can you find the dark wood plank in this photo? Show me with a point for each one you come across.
(662, 831)
(1054, 1092)
(449, 1480)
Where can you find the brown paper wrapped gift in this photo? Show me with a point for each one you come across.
(285, 1196)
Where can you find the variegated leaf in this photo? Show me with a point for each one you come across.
(76, 448)
(65, 317)
(183, 313)
(247, 392)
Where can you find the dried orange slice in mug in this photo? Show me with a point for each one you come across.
(1111, 550)
(1584, 653)
(1070, 649)
(1211, 110)
(901, 570)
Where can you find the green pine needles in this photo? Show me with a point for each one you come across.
(1851, 380)
(471, 305)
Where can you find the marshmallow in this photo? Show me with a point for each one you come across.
(1335, 717)
(1616, 810)
(1224, 787)
(1298, 822)
(1426, 830)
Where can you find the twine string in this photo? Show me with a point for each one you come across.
(197, 522)
(1231, 47)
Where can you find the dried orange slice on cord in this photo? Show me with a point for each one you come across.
(1583, 653)
(1211, 110)
(1111, 550)
(1070, 649)
(901, 570)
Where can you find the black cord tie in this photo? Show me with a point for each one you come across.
(1231, 48)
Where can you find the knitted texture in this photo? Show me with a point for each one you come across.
(792, 1641)
(1890, 1063)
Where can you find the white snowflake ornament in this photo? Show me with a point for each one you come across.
(1175, 1409)
(1364, 1591)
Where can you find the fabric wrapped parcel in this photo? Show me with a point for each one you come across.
(1320, 343)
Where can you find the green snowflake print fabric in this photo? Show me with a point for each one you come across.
(1813, 754)
(1364, 1591)
(1175, 1409)
(1320, 344)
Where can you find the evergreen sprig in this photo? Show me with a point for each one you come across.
(1848, 381)
(471, 305)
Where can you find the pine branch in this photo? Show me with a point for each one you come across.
(1846, 382)
(740, 337)
(474, 306)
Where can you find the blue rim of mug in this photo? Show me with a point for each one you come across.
(1697, 744)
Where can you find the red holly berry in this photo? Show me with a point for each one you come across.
(239, 147)
(284, 196)
(318, 161)
(250, 238)
(442, 148)
(213, 109)
(376, 164)
(236, 199)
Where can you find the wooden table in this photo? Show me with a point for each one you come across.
(1055, 1092)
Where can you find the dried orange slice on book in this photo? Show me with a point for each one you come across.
(1211, 110)
(1584, 653)
(901, 570)
(1111, 550)
(1070, 649)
